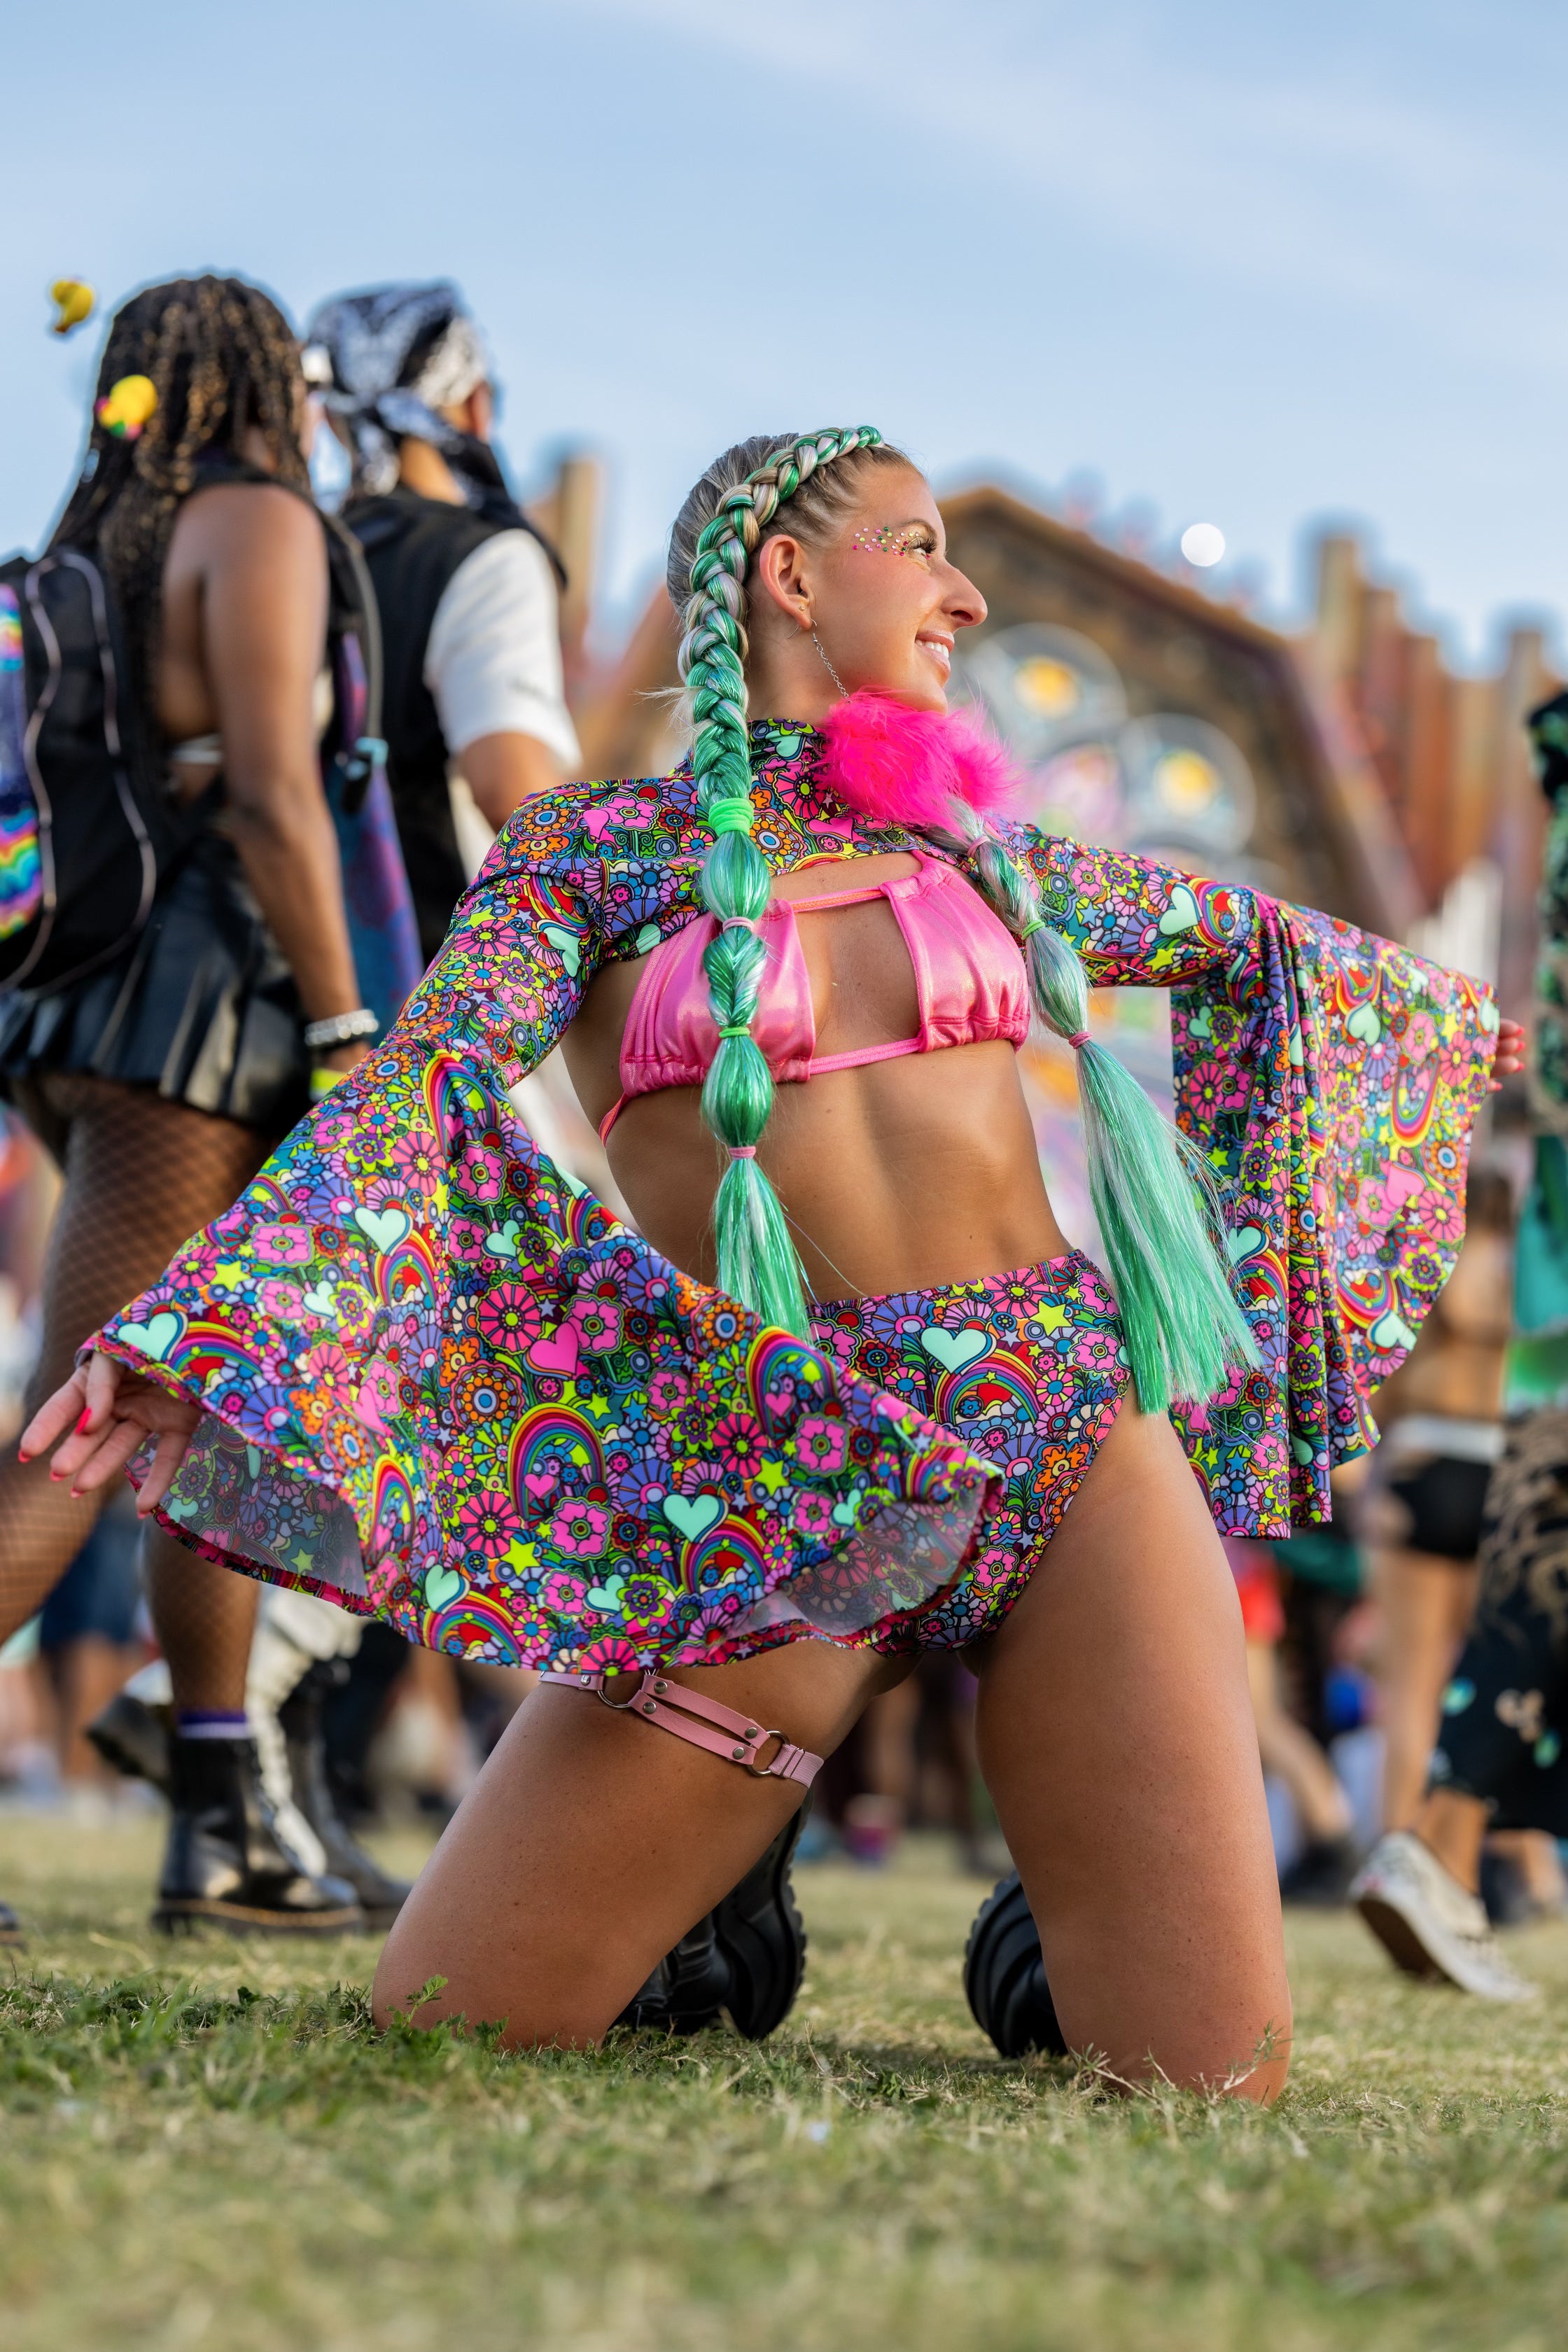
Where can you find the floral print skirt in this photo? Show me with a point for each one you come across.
(1029, 1369)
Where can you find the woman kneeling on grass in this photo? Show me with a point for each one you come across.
(832, 1403)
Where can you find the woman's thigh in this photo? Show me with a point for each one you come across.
(1117, 1739)
(592, 1842)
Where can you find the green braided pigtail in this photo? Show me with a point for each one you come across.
(758, 1262)
(1154, 1197)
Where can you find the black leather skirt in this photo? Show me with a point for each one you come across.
(202, 1008)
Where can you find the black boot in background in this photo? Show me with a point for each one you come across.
(224, 1864)
(135, 1738)
(380, 1896)
(1005, 1975)
(354, 1711)
(11, 1935)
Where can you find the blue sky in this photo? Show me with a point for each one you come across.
(1253, 265)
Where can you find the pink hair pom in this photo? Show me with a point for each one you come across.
(900, 766)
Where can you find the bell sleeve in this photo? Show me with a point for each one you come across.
(1331, 1080)
(441, 1383)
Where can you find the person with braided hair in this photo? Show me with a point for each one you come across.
(847, 1393)
(162, 1078)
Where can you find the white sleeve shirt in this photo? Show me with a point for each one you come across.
(493, 659)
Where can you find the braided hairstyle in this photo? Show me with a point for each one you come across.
(221, 357)
(1153, 1194)
(1155, 1199)
(731, 510)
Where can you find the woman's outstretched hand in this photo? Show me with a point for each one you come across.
(1508, 1059)
(111, 1412)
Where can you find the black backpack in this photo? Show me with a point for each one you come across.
(89, 835)
(85, 832)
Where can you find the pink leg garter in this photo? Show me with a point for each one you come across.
(673, 1707)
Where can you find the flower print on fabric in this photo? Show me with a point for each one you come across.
(1331, 1080)
(1029, 1369)
(443, 1384)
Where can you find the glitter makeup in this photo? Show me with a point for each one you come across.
(914, 539)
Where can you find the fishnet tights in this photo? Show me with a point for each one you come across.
(141, 1176)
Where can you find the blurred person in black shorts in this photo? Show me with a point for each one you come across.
(1500, 1763)
(1420, 1512)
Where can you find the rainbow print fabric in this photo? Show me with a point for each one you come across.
(441, 1383)
(21, 879)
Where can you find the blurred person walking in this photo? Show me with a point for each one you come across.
(466, 589)
(1420, 1512)
(1500, 1763)
(226, 638)
(89, 1646)
(1322, 1872)
(466, 593)
(466, 586)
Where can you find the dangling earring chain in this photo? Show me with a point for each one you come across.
(827, 665)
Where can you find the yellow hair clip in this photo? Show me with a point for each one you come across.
(127, 405)
(73, 300)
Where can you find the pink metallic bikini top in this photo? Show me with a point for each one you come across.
(970, 984)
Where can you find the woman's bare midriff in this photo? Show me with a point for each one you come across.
(896, 1175)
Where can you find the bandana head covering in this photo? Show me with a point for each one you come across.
(387, 360)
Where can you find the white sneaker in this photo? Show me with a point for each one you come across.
(1429, 1924)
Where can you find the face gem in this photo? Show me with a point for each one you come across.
(912, 539)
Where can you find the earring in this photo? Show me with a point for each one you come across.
(826, 665)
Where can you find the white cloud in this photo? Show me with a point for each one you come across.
(1334, 174)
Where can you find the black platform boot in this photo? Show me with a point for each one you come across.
(688, 1990)
(380, 1896)
(1005, 1975)
(225, 1863)
(135, 1738)
(746, 1957)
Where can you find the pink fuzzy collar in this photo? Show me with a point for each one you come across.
(898, 766)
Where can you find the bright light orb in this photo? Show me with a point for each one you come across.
(1202, 543)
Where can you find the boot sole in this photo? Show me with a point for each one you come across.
(1004, 1976)
(759, 1929)
(175, 1918)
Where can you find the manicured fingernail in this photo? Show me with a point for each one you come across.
(82, 1423)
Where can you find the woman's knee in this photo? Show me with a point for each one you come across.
(422, 1984)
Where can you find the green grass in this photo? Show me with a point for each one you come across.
(205, 2144)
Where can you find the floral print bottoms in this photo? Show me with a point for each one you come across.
(1028, 1368)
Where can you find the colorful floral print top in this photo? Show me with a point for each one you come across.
(442, 1383)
